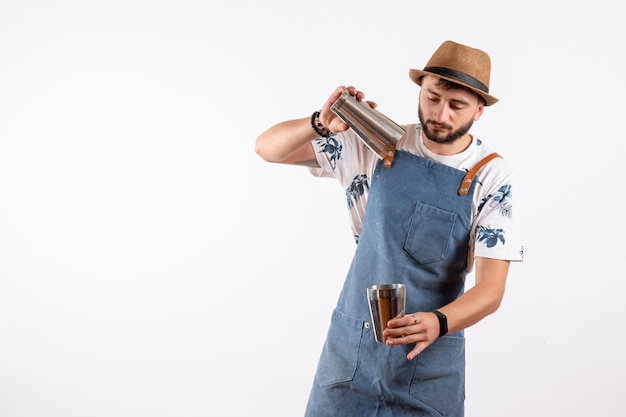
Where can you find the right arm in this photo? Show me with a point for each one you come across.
(289, 142)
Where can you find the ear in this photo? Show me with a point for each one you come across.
(479, 110)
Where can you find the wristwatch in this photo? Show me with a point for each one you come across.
(443, 322)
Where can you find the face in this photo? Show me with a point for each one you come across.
(447, 115)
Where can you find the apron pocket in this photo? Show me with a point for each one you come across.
(429, 234)
(340, 354)
(439, 379)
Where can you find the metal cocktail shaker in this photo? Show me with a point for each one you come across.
(376, 130)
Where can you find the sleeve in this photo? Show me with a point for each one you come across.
(342, 156)
(497, 231)
(328, 151)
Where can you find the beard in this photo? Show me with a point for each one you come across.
(451, 137)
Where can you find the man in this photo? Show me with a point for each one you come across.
(444, 207)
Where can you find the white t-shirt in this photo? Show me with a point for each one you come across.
(496, 230)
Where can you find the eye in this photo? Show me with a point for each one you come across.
(457, 106)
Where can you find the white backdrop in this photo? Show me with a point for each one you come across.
(151, 264)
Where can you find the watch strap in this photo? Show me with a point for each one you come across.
(443, 322)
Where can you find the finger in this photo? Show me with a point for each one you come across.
(404, 336)
(408, 320)
(338, 91)
(332, 98)
(403, 339)
(419, 347)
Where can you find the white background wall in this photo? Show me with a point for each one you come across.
(151, 264)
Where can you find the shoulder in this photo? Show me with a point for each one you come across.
(497, 167)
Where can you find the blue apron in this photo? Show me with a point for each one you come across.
(415, 232)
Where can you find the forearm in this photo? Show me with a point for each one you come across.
(288, 142)
(481, 300)
(422, 328)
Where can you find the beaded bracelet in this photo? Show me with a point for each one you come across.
(318, 126)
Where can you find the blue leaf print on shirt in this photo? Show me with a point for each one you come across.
(502, 198)
(491, 237)
(356, 189)
(332, 147)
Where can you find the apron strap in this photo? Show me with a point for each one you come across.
(388, 159)
(469, 177)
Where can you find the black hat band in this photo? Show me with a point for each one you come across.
(459, 76)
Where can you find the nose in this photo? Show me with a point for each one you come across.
(440, 113)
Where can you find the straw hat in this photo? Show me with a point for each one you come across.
(462, 65)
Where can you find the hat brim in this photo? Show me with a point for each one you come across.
(416, 75)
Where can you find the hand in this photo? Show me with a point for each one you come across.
(329, 119)
(419, 328)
